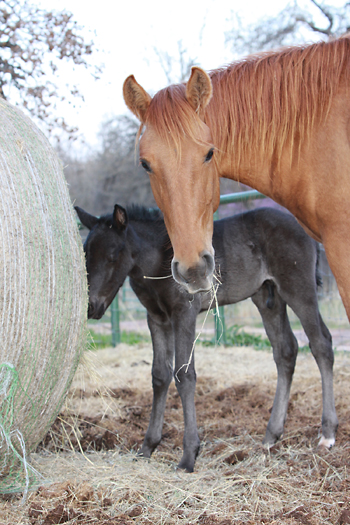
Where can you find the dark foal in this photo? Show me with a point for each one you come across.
(263, 254)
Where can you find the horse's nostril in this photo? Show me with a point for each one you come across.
(178, 276)
(209, 263)
(197, 277)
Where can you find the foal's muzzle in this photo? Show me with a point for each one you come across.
(96, 310)
(197, 278)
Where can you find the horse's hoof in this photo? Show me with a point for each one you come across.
(326, 443)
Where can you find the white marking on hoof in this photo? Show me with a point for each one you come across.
(326, 442)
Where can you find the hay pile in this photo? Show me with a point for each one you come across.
(236, 481)
(43, 297)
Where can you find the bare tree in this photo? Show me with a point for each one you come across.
(176, 68)
(80, 174)
(110, 175)
(290, 26)
(122, 179)
(34, 43)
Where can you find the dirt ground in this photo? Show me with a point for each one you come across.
(90, 473)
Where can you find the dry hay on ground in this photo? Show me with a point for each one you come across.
(88, 458)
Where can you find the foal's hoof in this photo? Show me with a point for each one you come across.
(270, 439)
(140, 455)
(145, 451)
(326, 443)
(185, 466)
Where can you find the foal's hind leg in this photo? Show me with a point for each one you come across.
(320, 341)
(162, 374)
(285, 349)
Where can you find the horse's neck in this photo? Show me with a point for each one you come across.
(242, 154)
(263, 172)
(255, 172)
(147, 249)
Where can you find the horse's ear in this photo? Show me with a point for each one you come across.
(136, 98)
(120, 218)
(87, 220)
(199, 90)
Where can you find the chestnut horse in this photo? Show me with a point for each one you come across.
(278, 122)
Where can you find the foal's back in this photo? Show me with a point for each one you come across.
(263, 244)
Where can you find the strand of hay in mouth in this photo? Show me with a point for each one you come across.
(43, 295)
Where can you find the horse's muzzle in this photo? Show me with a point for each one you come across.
(96, 310)
(198, 278)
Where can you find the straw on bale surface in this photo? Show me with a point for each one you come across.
(43, 296)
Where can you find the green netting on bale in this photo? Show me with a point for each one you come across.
(43, 293)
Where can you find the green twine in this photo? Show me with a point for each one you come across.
(17, 461)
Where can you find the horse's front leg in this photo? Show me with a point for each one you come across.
(162, 374)
(185, 380)
(285, 350)
(336, 243)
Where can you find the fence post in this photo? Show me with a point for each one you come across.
(115, 321)
(219, 315)
(220, 326)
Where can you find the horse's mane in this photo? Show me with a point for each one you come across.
(173, 117)
(260, 104)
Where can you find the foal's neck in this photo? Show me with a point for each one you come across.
(149, 243)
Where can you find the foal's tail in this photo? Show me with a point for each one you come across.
(318, 273)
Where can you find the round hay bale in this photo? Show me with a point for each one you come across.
(43, 293)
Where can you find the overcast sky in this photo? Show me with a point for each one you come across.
(126, 34)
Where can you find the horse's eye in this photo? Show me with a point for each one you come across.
(209, 155)
(145, 165)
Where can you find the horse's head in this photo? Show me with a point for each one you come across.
(176, 151)
(108, 257)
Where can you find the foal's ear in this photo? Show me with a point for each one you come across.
(120, 218)
(87, 220)
(136, 98)
(199, 90)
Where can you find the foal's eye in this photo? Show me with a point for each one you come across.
(145, 165)
(112, 257)
(209, 155)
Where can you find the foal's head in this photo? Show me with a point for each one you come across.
(108, 257)
(176, 151)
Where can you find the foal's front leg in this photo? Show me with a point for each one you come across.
(285, 350)
(162, 374)
(185, 380)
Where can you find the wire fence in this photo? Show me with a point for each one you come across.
(126, 319)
